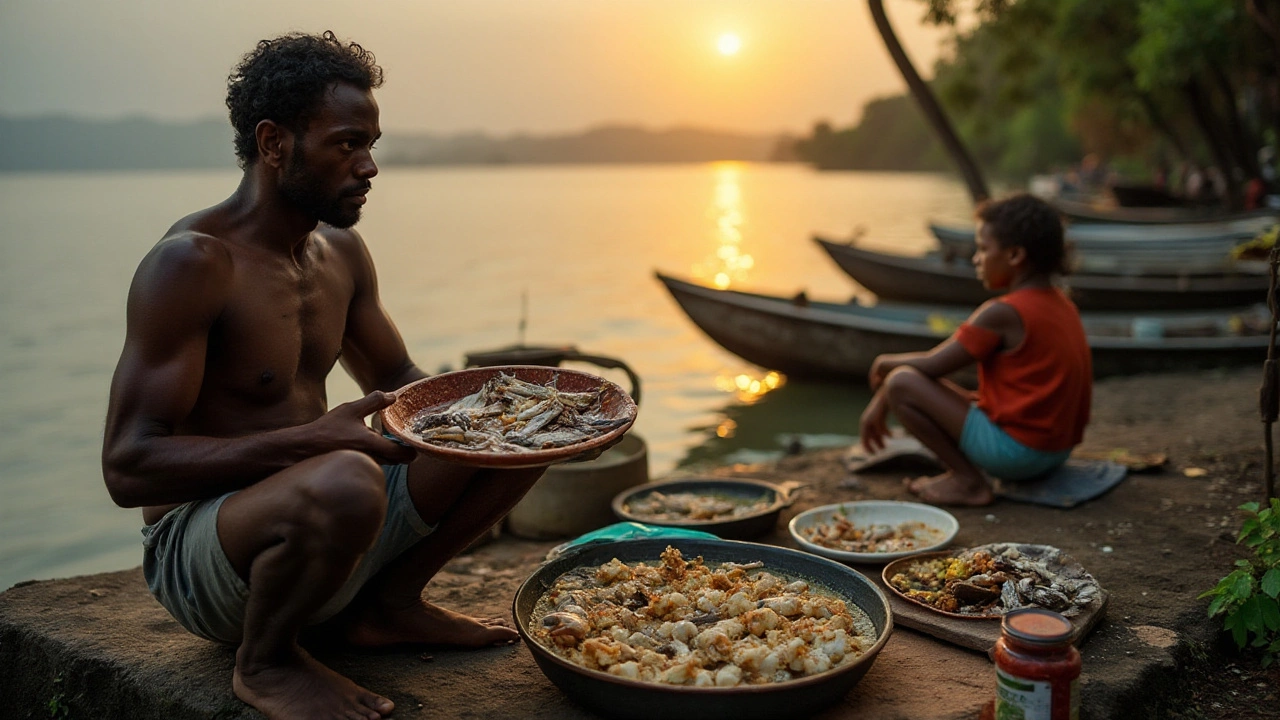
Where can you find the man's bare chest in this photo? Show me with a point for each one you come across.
(279, 334)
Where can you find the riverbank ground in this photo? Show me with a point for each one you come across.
(98, 646)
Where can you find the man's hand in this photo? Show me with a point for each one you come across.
(874, 427)
(344, 428)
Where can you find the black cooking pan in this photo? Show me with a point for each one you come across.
(615, 697)
(746, 490)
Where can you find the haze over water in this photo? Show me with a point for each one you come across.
(458, 252)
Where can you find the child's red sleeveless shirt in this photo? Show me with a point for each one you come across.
(1040, 391)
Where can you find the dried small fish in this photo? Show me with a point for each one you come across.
(510, 415)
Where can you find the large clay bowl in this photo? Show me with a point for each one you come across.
(446, 388)
(615, 697)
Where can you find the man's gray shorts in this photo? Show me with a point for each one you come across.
(189, 573)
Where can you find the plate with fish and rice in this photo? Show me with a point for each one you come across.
(987, 581)
(510, 416)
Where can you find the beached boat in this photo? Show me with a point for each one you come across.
(1105, 235)
(804, 338)
(1084, 212)
(1174, 249)
(934, 278)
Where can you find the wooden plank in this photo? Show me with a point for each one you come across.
(978, 634)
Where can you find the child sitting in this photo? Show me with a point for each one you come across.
(1035, 375)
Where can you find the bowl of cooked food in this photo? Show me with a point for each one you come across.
(732, 508)
(987, 581)
(873, 531)
(700, 628)
(510, 416)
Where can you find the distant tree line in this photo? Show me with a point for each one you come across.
(1148, 85)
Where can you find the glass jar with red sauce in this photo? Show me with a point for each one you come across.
(1037, 667)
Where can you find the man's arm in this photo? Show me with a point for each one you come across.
(177, 295)
(373, 352)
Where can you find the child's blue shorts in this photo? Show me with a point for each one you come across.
(992, 450)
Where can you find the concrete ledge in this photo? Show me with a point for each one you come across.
(100, 647)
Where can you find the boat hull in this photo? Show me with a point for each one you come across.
(829, 341)
(933, 279)
(1173, 249)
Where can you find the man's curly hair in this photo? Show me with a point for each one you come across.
(284, 79)
(1025, 221)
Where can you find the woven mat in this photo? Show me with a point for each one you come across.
(1079, 480)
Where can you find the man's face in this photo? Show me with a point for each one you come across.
(329, 169)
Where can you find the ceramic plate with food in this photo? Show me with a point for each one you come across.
(990, 580)
(873, 530)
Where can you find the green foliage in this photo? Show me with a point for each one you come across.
(58, 707)
(1248, 599)
(1028, 90)
(1179, 38)
(891, 136)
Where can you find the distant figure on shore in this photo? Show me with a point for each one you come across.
(1094, 174)
(1035, 374)
(265, 511)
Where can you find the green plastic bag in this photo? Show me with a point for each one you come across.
(626, 531)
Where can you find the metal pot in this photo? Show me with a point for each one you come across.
(745, 527)
(615, 697)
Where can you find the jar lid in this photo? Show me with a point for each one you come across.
(1037, 626)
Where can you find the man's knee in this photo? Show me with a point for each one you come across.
(346, 491)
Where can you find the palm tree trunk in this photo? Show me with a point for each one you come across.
(933, 112)
(1265, 18)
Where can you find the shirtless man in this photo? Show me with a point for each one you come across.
(265, 511)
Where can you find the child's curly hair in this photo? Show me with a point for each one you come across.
(1026, 221)
(284, 78)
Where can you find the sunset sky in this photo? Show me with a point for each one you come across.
(498, 66)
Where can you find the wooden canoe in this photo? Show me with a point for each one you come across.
(821, 340)
(1176, 249)
(934, 278)
(1083, 212)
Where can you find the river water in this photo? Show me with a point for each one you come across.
(466, 257)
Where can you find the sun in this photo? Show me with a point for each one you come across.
(729, 44)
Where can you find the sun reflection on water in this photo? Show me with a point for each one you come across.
(749, 389)
(728, 263)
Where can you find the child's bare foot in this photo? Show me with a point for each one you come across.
(951, 489)
(913, 485)
(302, 689)
(425, 623)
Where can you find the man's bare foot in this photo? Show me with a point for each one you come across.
(428, 624)
(303, 689)
(951, 489)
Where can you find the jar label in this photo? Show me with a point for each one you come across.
(1021, 699)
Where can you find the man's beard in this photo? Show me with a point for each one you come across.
(302, 188)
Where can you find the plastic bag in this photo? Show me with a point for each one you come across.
(626, 531)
